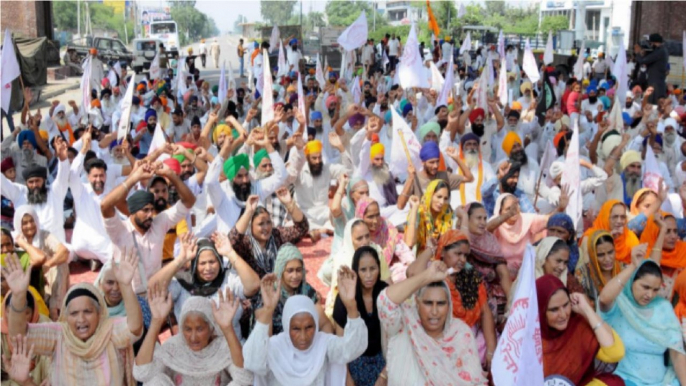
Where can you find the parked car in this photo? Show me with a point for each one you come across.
(144, 51)
(110, 50)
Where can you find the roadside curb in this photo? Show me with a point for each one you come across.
(62, 90)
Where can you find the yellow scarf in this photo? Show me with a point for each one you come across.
(429, 226)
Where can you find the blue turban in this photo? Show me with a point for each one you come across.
(606, 102)
(658, 139)
(315, 115)
(293, 41)
(591, 88)
(27, 135)
(604, 86)
(150, 113)
(388, 116)
(136, 100)
(256, 44)
(469, 137)
(627, 118)
(406, 109)
(429, 151)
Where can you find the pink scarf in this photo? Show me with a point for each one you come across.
(386, 236)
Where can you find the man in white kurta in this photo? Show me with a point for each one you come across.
(481, 170)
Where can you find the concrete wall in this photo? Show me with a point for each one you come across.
(29, 19)
(664, 17)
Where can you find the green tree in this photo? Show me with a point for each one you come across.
(277, 12)
(344, 13)
(64, 15)
(236, 25)
(554, 23)
(182, 3)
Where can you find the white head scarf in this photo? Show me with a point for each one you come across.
(292, 366)
(19, 215)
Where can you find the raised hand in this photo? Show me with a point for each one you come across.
(638, 254)
(270, 289)
(160, 301)
(251, 203)
(659, 220)
(503, 168)
(565, 193)
(414, 202)
(16, 278)
(579, 303)
(18, 366)
(189, 248)
(284, 195)
(61, 149)
(347, 281)
(299, 116)
(335, 141)
(226, 309)
(437, 271)
(126, 267)
(343, 180)
(451, 152)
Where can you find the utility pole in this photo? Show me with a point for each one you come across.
(78, 17)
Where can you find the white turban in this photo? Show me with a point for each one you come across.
(556, 169)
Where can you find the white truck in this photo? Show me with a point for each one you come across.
(168, 33)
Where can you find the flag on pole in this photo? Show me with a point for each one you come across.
(355, 36)
(180, 78)
(86, 86)
(482, 91)
(462, 11)
(283, 68)
(546, 101)
(549, 156)
(155, 70)
(125, 108)
(410, 69)
(10, 70)
(267, 96)
(433, 25)
(275, 38)
(502, 81)
(159, 139)
(326, 68)
(436, 77)
(466, 44)
(501, 44)
(112, 77)
(398, 164)
(117, 68)
(319, 75)
(651, 174)
(223, 86)
(447, 86)
(548, 54)
(571, 177)
(357, 93)
(620, 71)
(579, 65)
(301, 99)
(518, 357)
(529, 63)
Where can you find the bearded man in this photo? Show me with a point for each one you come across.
(482, 171)
(146, 132)
(107, 108)
(529, 169)
(630, 164)
(505, 182)
(263, 170)
(63, 124)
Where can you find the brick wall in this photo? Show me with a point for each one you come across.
(668, 18)
(27, 18)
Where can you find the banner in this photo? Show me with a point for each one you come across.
(447, 86)
(651, 174)
(159, 139)
(86, 86)
(529, 64)
(437, 80)
(155, 70)
(549, 156)
(232, 85)
(355, 36)
(411, 69)
(301, 101)
(466, 44)
(571, 177)
(579, 65)
(180, 77)
(620, 71)
(548, 56)
(10, 69)
(518, 358)
(274, 39)
(283, 67)
(502, 81)
(267, 96)
(398, 164)
(355, 90)
(223, 87)
(319, 75)
(125, 108)
(501, 45)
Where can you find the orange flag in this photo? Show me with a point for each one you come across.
(433, 25)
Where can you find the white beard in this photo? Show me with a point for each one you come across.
(106, 104)
(471, 159)
(380, 175)
(61, 122)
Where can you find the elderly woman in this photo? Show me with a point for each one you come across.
(214, 268)
(661, 235)
(85, 345)
(301, 354)
(259, 246)
(574, 336)
(646, 323)
(46, 252)
(198, 355)
(612, 218)
(290, 270)
(426, 344)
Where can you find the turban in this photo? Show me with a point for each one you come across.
(104, 92)
(174, 163)
(475, 114)
(234, 164)
(7, 164)
(630, 157)
(402, 105)
(27, 135)
(311, 131)
(139, 200)
(556, 169)
(163, 101)
(293, 98)
(136, 100)
(35, 171)
(313, 147)
(214, 100)
(140, 87)
(525, 86)
(44, 135)
(375, 138)
(606, 102)
(293, 41)
(407, 109)
(429, 127)
(658, 139)
(585, 82)
(388, 116)
(329, 100)
(215, 89)
(290, 88)
(180, 158)
(196, 121)
(513, 113)
(509, 141)
(223, 128)
(562, 121)
(604, 86)
(610, 140)
(671, 122)
(629, 94)
(315, 115)
(591, 89)
(150, 113)
(627, 118)
(558, 137)
(259, 156)
(356, 119)
(437, 109)
(59, 109)
(429, 151)
(468, 137)
(677, 91)
(375, 150)
(95, 103)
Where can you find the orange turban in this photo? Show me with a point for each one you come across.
(140, 87)
(95, 103)
(313, 147)
(376, 149)
(508, 142)
(516, 106)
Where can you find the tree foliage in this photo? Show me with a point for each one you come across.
(193, 24)
(277, 12)
(344, 13)
(65, 18)
(554, 23)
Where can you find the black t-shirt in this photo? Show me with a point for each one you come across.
(371, 320)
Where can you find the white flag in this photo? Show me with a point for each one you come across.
(301, 100)
(125, 108)
(501, 45)
(529, 64)
(10, 70)
(180, 77)
(326, 69)
(579, 65)
(571, 177)
(466, 44)
(548, 54)
(502, 81)
(275, 38)
(86, 85)
(117, 68)
(518, 357)
(283, 68)
(112, 78)
(410, 69)
(398, 164)
(267, 96)
(447, 86)
(223, 87)
(385, 60)
(355, 36)
(615, 118)
(159, 139)
(155, 69)
(549, 156)
(651, 174)
(489, 71)
(232, 85)
(462, 11)
(482, 92)
(355, 91)
(319, 75)
(620, 71)
(436, 77)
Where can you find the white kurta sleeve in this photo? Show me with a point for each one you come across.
(255, 350)
(11, 190)
(351, 345)
(145, 373)
(270, 184)
(60, 186)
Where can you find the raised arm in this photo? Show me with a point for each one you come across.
(244, 221)
(615, 286)
(335, 206)
(140, 172)
(187, 251)
(248, 276)
(401, 291)
(160, 303)
(223, 314)
(124, 271)
(411, 230)
(18, 281)
(185, 195)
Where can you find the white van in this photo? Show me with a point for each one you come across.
(144, 51)
(168, 32)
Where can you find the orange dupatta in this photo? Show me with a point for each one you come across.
(680, 289)
(676, 258)
(67, 128)
(625, 242)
